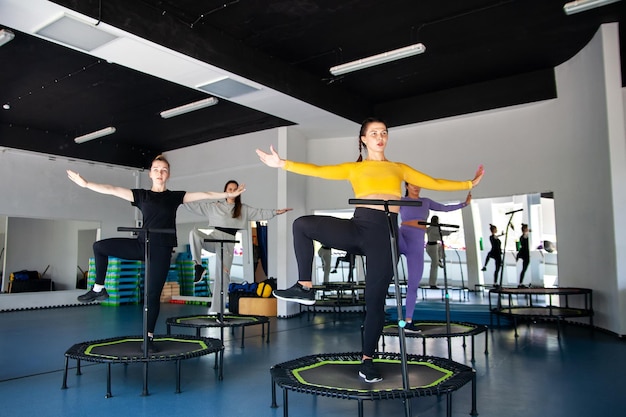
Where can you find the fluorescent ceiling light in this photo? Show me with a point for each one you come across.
(75, 33)
(6, 36)
(94, 135)
(196, 105)
(371, 61)
(584, 5)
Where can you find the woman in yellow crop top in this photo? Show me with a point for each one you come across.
(366, 233)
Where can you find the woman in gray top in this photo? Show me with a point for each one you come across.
(226, 217)
(434, 249)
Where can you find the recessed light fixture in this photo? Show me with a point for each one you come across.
(75, 33)
(95, 135)
(196, 105)
(382, 58)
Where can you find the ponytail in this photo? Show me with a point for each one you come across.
(360, 159)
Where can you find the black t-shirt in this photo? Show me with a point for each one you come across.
(159, 212)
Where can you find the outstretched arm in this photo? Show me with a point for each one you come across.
(121, 192)
(271, 159)
(212, 195)
(478, 176)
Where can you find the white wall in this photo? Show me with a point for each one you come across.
(563, 145)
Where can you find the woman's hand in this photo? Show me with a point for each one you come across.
(237, 192)
(468, 199)
(75, 177)
(271, 159)
(478, 176)
(282, 211)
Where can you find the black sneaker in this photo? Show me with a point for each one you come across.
(410, 327)
(484, 268)
(91, 295)
(199, 270)
(368, 371)
(297, 294)
(152, 349)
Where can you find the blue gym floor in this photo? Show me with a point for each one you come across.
(536, 374)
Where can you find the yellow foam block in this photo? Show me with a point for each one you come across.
(257, 306)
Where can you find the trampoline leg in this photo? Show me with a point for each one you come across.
(169, 329)
(360, 408)
(448, 404)
(198, 331)
(474, 412)
(285, 403)
(473, 357)
(273, 405)
(145, 380)
(177, 377)
(268, 332)
(243, 335)
(486, 343)
(221, 372)
(64, 385)
(464, 345)
(515, 326)
(423, 346)
(407, 408)
(78, 371)
(108, 394)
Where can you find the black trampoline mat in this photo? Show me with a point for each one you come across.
(545, 311)
(344, 375)
(435, 329)
(211, 320)
(132, 348)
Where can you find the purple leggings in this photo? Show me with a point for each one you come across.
(411, 243)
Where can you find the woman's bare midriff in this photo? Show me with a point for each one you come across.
(386, 197)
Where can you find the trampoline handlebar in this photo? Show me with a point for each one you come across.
(376, 202)
(143, 230)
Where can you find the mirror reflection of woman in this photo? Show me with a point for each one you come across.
(367, 233)
(158, 206)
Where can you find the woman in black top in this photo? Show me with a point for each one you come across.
(158, 206)
(523, 253)
(495, 253)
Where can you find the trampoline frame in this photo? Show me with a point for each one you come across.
(475, 330)
(284, 377)
(532, 312)
(228, 320)
(79, 352)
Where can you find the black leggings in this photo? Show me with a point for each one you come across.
(133, 249)
(525, 263)
(367, 233)
(498, 260)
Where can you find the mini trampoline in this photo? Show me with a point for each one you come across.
(337, 297)
(336, 376)
(129, 349)
(228, 320)
(439, 329)
(558, 311)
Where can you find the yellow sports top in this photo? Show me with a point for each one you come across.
(376, 177)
